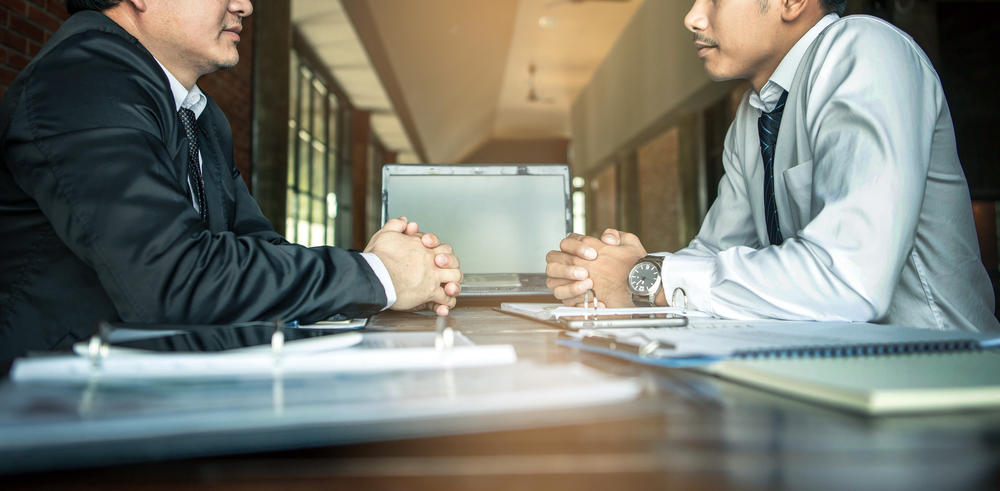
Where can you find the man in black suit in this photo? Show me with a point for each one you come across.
(120, 200)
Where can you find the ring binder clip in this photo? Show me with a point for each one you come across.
(444, 335)
(679, 296)
(649, 348)
(277, 342)
(586, 301)
(97, 348)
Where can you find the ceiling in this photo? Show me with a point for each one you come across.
(444, 77)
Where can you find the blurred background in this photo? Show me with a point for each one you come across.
(327, 91)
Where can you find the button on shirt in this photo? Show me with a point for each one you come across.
(869, 189)
(196, 101)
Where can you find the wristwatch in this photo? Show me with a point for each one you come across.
(644, 281)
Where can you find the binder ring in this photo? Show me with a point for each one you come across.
(277, 342)
(679, 298)
(587, 296)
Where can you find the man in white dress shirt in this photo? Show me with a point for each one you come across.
(843, 196)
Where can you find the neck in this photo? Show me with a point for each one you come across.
(791, 32)
(127, 19)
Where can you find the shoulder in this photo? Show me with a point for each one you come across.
(866, 39)
(93, 74)
(863, 58)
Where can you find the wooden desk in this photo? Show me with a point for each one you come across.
(688, 431)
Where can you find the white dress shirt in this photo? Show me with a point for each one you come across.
(871, 196)
(196, 101)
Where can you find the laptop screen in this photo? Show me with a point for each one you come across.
(498, 218)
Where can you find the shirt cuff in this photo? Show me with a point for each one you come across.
(694, 275)
(383, 276)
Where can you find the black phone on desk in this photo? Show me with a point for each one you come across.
(207, 337)
(612, 321)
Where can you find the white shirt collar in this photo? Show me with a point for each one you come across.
(194, 99)
(783, 76)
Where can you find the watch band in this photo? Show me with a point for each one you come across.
(642, 301)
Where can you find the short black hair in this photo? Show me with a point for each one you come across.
(837, 6)
(74, 6)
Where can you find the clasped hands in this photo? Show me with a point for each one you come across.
(586, 263)
(423, 271)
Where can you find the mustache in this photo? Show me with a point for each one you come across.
(703, 39)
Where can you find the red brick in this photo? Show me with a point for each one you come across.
(16, 6)
(7, 75)
(33, 48)
(17, 61)
(44, 19)
(14, 41)
(21, 25)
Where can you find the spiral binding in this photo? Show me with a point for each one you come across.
(883, 349)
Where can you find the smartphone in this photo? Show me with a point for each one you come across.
(623, 321)
(215, 337)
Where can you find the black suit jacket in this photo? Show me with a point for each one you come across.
(96, 217)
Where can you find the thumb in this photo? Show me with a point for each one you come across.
(395, 225)
(611, 237)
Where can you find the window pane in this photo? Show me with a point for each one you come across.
(318, 178)
(291, 222)
(303, 224)
(318, 112)
(319, 221)
(306, 91)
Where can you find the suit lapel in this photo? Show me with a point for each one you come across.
(212, 163)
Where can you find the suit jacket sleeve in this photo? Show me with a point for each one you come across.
(107, 169)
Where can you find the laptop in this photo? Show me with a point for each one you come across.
(500, 219)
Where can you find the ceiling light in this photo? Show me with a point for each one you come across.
(546, 21)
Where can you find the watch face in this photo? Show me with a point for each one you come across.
(643, 278)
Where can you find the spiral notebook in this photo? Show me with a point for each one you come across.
(876, 385)
(710, 340)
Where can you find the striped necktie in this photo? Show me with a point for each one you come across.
(195, 179)
(767, 128)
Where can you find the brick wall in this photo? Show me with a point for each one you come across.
(26, 24)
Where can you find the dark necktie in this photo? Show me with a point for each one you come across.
(195, 178)
(767, 128)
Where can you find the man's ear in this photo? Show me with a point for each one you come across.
(140, 5)
(792, 10)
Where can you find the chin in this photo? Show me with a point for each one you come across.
(719, 75)
(227, 63)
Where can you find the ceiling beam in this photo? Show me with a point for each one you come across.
(363, 21)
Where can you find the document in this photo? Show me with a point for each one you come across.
(709, 340)
(376, 352)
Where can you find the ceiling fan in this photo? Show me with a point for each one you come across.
(533, 95)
